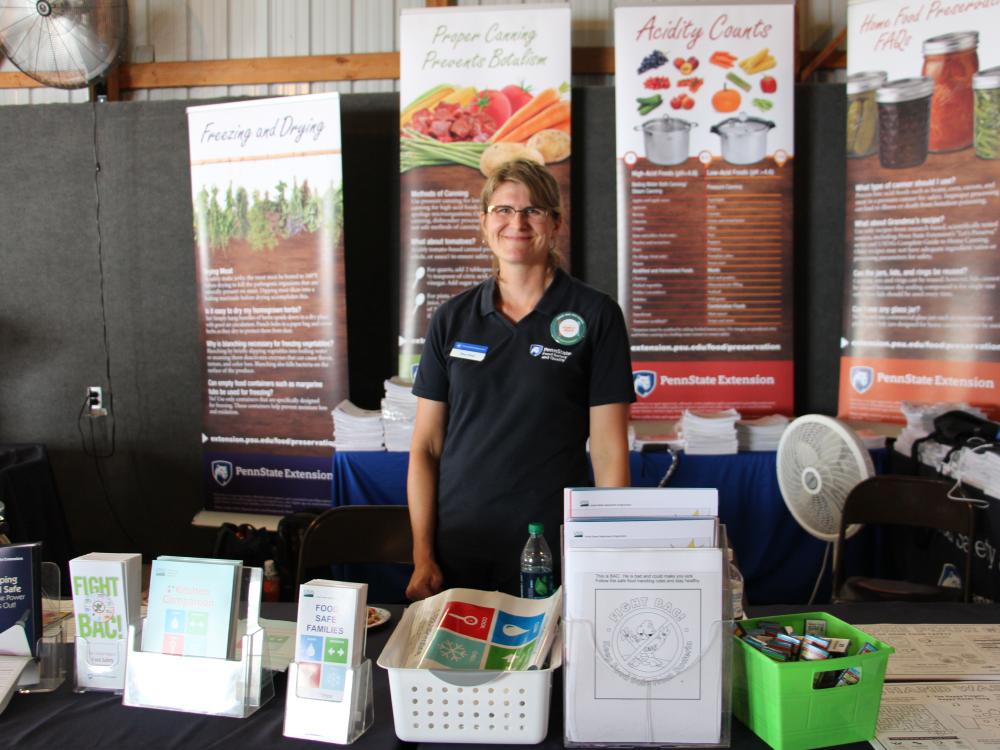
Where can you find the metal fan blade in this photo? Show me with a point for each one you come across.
(63, 43)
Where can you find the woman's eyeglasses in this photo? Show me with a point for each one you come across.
(531, 213)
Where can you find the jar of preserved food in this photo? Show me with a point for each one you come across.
(986, 87)
(950, 60)
(862, 112)
(904, 113)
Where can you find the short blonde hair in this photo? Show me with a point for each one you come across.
(542, 187)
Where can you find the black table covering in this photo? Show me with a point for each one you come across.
(63, 719)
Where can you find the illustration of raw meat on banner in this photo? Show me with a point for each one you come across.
(478, 87)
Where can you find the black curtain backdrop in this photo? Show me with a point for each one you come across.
(98, 277)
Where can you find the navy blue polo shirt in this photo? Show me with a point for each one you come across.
(518, 400)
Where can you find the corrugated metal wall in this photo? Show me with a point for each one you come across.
(171, 30)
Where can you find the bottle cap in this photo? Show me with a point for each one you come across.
(536, 528)
(270, 569)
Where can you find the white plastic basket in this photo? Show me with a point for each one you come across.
(487, 706)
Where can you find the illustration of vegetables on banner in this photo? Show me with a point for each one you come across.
(482, 129)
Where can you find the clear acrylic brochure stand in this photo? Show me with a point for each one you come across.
(203, 685)
(48, 670)
(340, 722)
(588, 641)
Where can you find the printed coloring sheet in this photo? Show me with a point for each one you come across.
(643, 625)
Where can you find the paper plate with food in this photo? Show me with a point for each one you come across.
(378, 616)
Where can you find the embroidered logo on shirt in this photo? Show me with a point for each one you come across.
(544, 352)
(568, 328)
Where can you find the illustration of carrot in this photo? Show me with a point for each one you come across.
(548, 117)
(544, 99)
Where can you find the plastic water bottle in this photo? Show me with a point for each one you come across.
(537, 581)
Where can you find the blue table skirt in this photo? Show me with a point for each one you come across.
(779, 561)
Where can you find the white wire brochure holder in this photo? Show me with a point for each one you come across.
(647, 647)
(205, 685)
(338, 721)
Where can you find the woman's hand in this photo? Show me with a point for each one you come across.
(425, 581)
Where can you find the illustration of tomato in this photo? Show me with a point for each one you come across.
(517, 96)
(494, 104)
(688, 102)
(768, 85)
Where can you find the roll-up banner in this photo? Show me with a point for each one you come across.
(478, 87)
(266, 185)
(922, 312)
(705, 144)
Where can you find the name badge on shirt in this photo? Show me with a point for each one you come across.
(475, 352)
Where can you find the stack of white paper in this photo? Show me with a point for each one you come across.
(761, 434)
(357, 429)
(643, 617)
(709, 433)
(399, 409)
(920, 420)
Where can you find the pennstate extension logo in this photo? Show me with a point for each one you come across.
(568, 328)
(222, 472)
(535, 350)
(644, 382)
(862, 378)
(645, 639)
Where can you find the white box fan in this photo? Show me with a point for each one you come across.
(820, 460)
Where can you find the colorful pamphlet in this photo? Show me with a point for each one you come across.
(106, 598)
(20, 598)
(330, 636)
(193, 603)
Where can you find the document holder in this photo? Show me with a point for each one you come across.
(48, 669)
(647, 647)
(100, 665)
(337, 721)
(204, 685)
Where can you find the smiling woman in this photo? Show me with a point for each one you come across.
(516, 374)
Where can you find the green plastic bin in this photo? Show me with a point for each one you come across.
(778, 702)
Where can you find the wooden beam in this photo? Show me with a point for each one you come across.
(358, 67)
(807, 69)
(593, 60)
(261, 70)
(18, 80)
